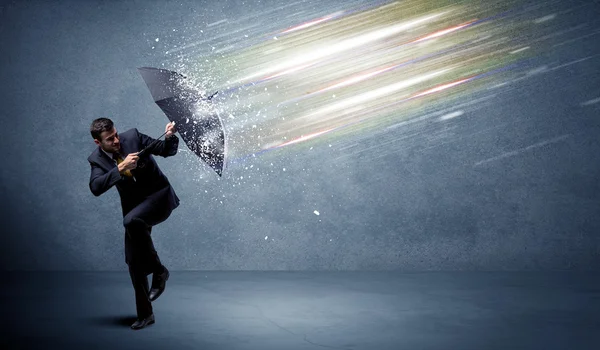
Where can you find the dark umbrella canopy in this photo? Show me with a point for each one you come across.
(201, 130)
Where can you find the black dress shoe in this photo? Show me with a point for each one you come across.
(143, 322)
(159, 282)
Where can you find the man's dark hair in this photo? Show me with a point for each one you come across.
(99, 126)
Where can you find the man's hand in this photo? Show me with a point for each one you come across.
(170, 129)
(130, 162)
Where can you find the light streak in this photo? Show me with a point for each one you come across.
(440, 88)
(386, 90)
(443, 32)
(312, 23)
(304, 138)
(344, 45)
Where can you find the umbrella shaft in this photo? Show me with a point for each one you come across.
(152, 144)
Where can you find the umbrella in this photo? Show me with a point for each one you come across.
(201, 130)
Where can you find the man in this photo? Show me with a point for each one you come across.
(147, 199)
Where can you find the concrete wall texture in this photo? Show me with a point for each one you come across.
(512, 186)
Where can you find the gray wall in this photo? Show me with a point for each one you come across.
(511, 184)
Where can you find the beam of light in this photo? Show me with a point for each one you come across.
(289, 71)
(355, 79)
(347, 82)
(424, 93)
(443, 32)
(312, 23)
(344, 45)
(371, 67)
(365, 76)
(266, 79)
(386, 90)
(440, 88)
(445, 86)
(383, 70)
(519, 50)
(303, 138)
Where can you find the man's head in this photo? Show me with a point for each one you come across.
(105, 135)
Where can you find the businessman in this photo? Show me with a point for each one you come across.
(147, 199)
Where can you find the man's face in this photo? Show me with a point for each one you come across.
(109, 141)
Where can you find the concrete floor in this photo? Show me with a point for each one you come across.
(306, 310)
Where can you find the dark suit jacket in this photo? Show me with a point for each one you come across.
(149, 178)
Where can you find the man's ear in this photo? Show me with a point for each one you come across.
(97, 142)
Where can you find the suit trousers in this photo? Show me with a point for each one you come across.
(140, 254)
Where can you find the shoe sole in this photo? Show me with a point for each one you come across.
(149, 323)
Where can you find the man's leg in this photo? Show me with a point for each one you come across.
(139, 279)
(138, 225)
(141, 253)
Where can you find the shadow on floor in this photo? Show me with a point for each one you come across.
(113, 321)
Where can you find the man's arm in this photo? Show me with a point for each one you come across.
(165, 148)
(101, 181)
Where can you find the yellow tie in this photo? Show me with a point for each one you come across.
(118, 158)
